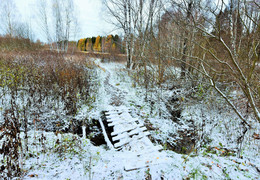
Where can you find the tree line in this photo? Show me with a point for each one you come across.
(110, 44)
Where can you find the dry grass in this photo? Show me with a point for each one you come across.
(46, 73)
(8, 44)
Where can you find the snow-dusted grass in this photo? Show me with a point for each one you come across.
(67, 156)
(79, 159)
(60, 156)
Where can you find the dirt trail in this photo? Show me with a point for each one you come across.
(117, 95)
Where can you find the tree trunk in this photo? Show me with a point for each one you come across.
(185, 42)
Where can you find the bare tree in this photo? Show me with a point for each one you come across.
(227, 49)
(45, 21)
(24, 30)
(233, 45)
(121, 10)
(59, 27)
(189, 6)
(58, 24)
(136, 18)
(69, 17)
(7, 17)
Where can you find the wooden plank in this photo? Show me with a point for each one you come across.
(136, 131)
(123, 115)
(112, 116)
(124, 135)
(114, 120)
(122, 122)
(120, 136)
(126, 141)
(112, 113)
(110, 145)
(127, 129)
(115, 113)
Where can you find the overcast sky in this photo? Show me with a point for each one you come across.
(91, 17)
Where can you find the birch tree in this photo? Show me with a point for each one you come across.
(61, 26)
(120, 10)
(8, 17)
(44, 21)
(136, 18)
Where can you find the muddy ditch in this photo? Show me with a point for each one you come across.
(93, 129)
(184, 140)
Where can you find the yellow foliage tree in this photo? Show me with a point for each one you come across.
(81, 44)
(108, 43)
(114, 47)
(89, 44)
(97, 45)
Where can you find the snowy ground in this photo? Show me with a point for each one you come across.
(73, 157)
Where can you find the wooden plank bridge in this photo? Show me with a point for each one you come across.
(131, 136)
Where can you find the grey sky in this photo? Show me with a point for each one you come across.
(90, 15)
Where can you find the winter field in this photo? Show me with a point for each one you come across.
(129, 89)
(44, 109)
